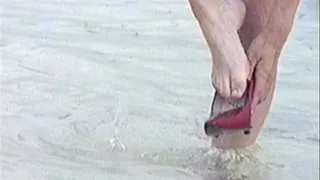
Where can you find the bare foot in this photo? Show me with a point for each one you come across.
(219, 21)
(263, 35)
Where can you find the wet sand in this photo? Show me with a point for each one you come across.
(120, 90)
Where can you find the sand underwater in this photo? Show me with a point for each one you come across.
(117, 90)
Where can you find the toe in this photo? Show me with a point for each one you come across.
(230, 85)
(238, 81)
(221, 85)
(238, 84)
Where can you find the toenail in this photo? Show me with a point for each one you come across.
(235, 93)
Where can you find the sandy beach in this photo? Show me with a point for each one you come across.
(120, 89)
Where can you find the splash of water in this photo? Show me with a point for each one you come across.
(239, 164)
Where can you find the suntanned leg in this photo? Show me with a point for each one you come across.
(262, 33)
(219, 21)
(271, 28)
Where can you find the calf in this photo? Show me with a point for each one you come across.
(246, 38)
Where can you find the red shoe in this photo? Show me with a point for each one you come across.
(239, 118)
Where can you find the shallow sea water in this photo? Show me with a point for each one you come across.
(120, 90)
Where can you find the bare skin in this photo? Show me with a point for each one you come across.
(244, 35)
(219, 21)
